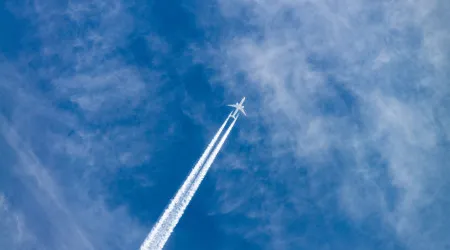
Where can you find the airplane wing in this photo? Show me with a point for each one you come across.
(243, 111)
(232, 105)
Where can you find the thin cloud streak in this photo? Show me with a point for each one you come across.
(64, 98)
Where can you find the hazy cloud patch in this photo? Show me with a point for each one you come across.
(351, 94)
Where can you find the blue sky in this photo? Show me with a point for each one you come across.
(106, 106)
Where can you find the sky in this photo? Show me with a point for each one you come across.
(105, 106)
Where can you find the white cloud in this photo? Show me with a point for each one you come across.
(14, 234)
(76, 112)
(352, 99)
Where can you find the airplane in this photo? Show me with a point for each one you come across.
(239, 107)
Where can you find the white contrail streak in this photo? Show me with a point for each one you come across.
(166, 223)
(180, 207)
(191, 191)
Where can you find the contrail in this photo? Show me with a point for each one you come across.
(191, 191)
(167, 222)
(174, 217)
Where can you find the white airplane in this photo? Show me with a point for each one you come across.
(239, 107)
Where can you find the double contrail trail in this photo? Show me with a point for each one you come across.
(172, 214)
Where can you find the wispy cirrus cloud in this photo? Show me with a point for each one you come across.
(76, 111)
(12, 227)
(352, 124)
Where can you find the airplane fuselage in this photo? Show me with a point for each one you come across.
(239, 107)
